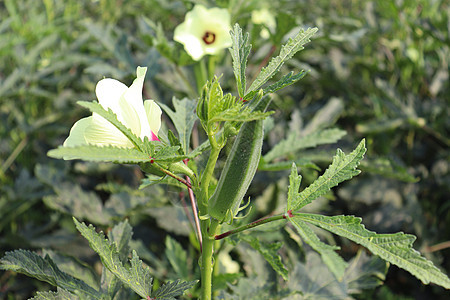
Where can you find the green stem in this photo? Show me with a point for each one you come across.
(201, 75)
(207, 175)
(209, 228)
(251, 225)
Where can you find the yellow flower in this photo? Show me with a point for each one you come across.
(266, 18)
(143, 118)
(204, 31)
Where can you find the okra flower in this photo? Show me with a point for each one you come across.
(143, 118)
(204, 31)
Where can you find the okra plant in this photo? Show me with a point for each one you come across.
(123, 129)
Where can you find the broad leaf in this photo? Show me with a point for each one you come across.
(333, 261)
(44, 269)
(100, 153)
(183, 118)
(137, 277)
(239, 52)
(111, 117)
(342, 168)
(287, 51)
(394, 248)
(293, 143)
(171, 290)
(269, 252)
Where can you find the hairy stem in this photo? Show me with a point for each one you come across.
(209, 228)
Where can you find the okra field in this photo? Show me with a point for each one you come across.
(226, 149)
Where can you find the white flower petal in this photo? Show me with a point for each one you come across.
(102, 133)
(154, 113)
(108, 93)
(76, 135)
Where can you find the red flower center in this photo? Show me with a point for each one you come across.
(209, 38)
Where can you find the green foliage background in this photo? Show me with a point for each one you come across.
(378, 69)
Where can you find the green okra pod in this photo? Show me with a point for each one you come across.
(240, 167)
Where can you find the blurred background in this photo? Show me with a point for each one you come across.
(378, 70)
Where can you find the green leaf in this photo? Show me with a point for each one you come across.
(121, 235)
(44, 269)
(171, 290)
(60, 294)
(234, 115)
(333, 261)
(285, 165)
(287, 51)
(395, 248)
(100, 153)
(293, 143)
(137, 277)
(183, 118)
(285, 81)
(269, 252)
(111, 117)
(294, 185)
(177, 257)
(239, 50)
(342, 168)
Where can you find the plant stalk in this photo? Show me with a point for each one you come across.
(209, 228)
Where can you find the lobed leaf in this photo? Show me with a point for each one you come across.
(342, 168)
(239, 50)
(395, 248)
(333, 261)
(173, 289)
(285, 81)
(137, 277)
(100, 153)
(287, 51)
(293, 143)
(269, 252)
(60, 294)
(44, 269)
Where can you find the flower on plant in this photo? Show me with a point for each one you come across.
(143, 118)
(264, 17)
(204, 31)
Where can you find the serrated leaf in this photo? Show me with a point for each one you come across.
(173, 289)
(293, 143)
(232, 115)
(100, 153)
(183, 118)
(239, 50)
(333, 261)
(287, 51)
(285, 81)
(168, 154)
(44, 269)
(294, 185)
(61, 294)
(121, 235)
(270, 253)
(137, 277)
(342, 168)
(395, 248)
(111, 117)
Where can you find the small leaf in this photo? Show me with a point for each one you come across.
(285, 81)
(183, 118)
(44, 269)
(100, 153)
(333, 261)
(287, 51)
(177, 257)
(269, 252)
(394, 248)
(293, 143)
(171, 290)
(111, 117)
(239, 52)
(342, 168)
